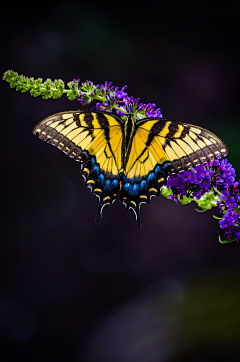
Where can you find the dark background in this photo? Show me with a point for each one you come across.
(73, 290)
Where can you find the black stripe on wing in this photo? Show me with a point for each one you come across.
(191, 144)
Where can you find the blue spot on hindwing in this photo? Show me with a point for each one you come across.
(96, 169)
(93, 174)
(84, 156)
(107, 185)
(158, 171)
(135, 190)
(100, 179)
(115, 184)
(127, 187)
(143, 185)
(151, 177)
(92, 161)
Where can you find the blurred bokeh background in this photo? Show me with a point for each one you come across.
(75, 291)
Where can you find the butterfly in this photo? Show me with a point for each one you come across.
(127, 157)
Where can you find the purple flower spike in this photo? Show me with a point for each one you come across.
(218, 177)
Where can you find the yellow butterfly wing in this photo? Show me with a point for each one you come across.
(93, 138)
(162, 146)
(162, 139)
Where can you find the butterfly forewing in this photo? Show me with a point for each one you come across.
(73, 132)
(183, 144)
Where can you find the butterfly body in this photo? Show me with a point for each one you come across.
(125, 157)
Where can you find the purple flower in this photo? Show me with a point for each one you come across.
(120, 94)
(225, 195)
(218, 176)
(231, 202)
(223, 224)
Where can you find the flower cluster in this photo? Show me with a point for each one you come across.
(112, 97)
(210, 184)
(108, 96)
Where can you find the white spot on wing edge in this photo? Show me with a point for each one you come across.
(195, 130)
(67, 115)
